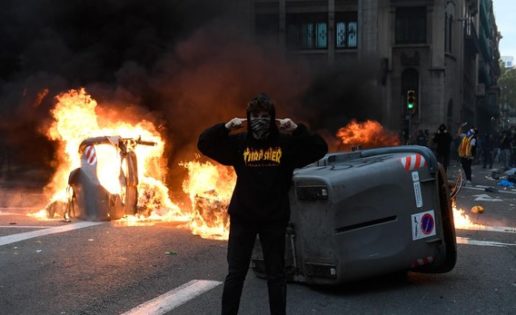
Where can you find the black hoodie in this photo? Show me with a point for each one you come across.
(264, 168)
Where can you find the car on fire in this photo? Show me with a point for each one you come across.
(371, 212)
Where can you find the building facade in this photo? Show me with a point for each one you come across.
(434, 66)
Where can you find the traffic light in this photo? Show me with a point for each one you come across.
(411, 101)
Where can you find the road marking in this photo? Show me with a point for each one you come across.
(174, 298)
(4, 240)
(479, 227)
(483, 189)
(486, 197)
(467, 241)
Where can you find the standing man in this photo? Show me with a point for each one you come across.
(467, 150)
(505, 149)
(488, 145)
(264, 159)
(443, 139)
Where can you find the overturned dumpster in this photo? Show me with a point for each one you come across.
(89, 199)
(365, 213)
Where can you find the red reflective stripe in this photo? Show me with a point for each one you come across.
(418, 161)
(90, 155)
(407, 163)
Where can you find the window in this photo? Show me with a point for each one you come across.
(448, 27)
(450, 37)
(346, 30)
(307, 31)
(410, 25)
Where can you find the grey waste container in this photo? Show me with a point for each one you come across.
(365, 213)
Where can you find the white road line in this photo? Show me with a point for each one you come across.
(24, 227)
(478, 227)
(500, 190)
(4, 240)
(174, 298)
(468, 241)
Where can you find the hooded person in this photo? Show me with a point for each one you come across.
(443, 140)
(264, 158)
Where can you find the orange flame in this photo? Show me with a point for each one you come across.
(367, 134)
(462, 220)
(210, 187)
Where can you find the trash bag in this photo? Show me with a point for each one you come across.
(505, 183)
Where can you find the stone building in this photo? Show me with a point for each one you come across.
(438, 55)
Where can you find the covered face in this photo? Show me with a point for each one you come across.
(261, 115)
(260, 124)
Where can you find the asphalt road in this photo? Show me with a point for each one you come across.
(111, 269)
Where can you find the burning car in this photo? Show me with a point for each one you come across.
(366, 213)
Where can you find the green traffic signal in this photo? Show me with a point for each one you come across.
(411, 100)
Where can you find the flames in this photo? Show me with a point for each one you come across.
(76, 117)
(209, 187)
(462, 220)
(367, 134)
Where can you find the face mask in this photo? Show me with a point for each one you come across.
(260, 127)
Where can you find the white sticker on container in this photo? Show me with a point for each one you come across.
(415, 176)
(423, 224)
(417, 190)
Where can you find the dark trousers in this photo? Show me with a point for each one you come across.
(488, 159)
(444, 159)
(466, 166)
(240, 246)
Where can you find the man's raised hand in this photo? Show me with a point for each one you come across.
(235, 123)
(286, 124)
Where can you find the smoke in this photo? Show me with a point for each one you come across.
(342, 93)
(181, 64)
(111, 47)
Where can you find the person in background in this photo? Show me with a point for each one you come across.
(505, 149)
(442, 140)
(421, 138)
(467, 151)
(264, 159)
(488, 146)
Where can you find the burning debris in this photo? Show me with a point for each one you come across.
(363, 135)
(107, 172)
(210, 187)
